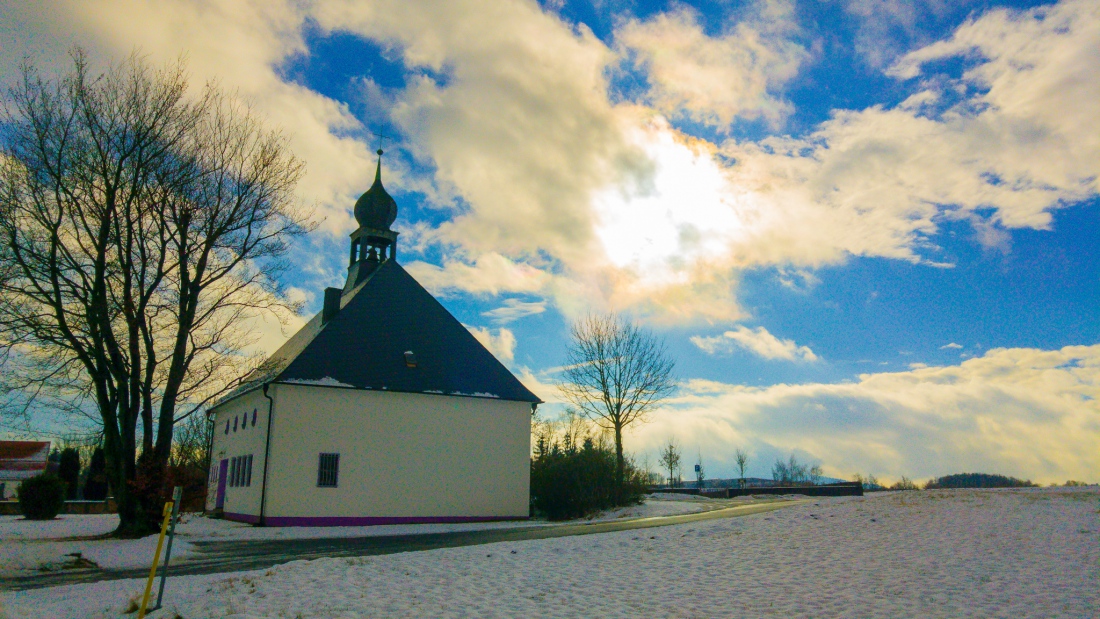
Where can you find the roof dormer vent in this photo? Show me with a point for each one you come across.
(410, 359)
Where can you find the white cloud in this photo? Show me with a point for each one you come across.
(558, 191)
(514, 309)
(951, 345)
(712, 79)
(490, 273)
(501, 342)
(757, 341)
(1022, 412)
(615, 209)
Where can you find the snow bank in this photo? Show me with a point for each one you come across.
(67, 525)
(19, 558)
(961, 553)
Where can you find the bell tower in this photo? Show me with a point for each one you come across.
(374, 242)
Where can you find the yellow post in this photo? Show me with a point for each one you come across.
(156, 559)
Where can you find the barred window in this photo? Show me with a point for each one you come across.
(328, 470)
(248, 471)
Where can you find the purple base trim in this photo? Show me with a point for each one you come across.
(249, 518)
(360, 521)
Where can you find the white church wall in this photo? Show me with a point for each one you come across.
(240, 432)
(403, 457)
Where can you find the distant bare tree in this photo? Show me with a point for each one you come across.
(140, 230)
(191, 442)
(742, 459)
(616, 373)
(904, 484)
(700, 473)
(670, 460)
(791, 472)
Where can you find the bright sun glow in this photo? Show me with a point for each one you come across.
(683, 214)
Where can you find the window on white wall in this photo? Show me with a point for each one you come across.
(328, 470)
(248, 470)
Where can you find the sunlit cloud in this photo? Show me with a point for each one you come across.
(514, 309)
(757, 341)
(1017, 411)
(501, 342)
(715, 80)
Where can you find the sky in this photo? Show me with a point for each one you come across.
(866, 230)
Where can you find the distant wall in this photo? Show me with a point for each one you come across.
(842, 489)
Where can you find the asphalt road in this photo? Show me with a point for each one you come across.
(214, 557)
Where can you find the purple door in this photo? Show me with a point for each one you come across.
(223, 473)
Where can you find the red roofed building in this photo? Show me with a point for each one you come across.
(20, 460)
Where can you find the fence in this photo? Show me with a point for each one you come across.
(847, 488)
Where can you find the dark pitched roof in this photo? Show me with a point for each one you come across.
(23, 450)
(364, 346)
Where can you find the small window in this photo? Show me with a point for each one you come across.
(253, 418)
(248, 471)
(232, 472)
(235, 423)
(328, 470)
(227, 426)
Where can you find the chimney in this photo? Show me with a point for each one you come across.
(332, 304)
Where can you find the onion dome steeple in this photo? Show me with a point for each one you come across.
(375, 208)
(374, 242)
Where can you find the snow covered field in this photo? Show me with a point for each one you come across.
(969, 553)
(29, 546)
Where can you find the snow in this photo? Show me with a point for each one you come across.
(48, 545)
(476, 394)
(67, 525)
(327, 381)
(958, 553)
(28, 546)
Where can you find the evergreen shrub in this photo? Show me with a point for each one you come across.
(95, 487)
(41, 497)
(572, 482)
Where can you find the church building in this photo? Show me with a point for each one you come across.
(382, 409)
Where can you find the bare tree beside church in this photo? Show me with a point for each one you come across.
(141, 230)
(615, 374)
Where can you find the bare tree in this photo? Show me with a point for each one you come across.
(742, 459)
(139, 231)
(670, 460)
(700, 474)
(191, 442)
(615, 374)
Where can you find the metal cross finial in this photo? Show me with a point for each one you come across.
(381, 138)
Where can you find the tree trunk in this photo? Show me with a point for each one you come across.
(620, 464)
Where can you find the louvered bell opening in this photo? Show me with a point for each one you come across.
(410, 359)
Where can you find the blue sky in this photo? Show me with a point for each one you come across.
(867, 230)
